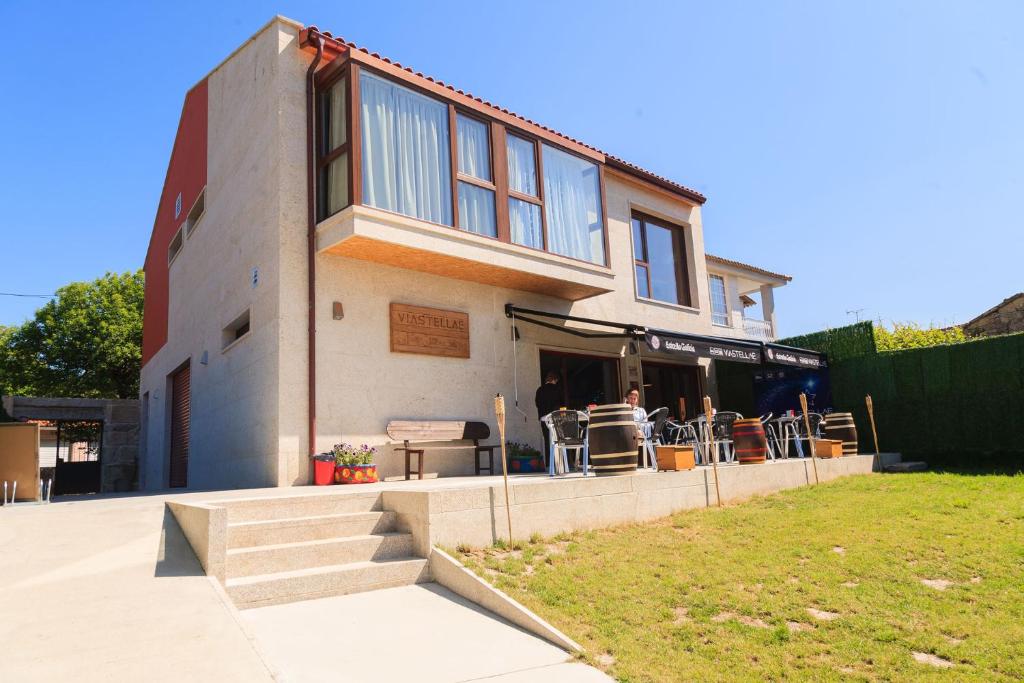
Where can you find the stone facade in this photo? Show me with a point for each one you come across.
(119, 452)
(1003, 318)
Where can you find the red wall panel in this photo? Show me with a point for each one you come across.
(186, 174)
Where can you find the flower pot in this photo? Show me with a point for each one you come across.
(355, 474)
(323, 472)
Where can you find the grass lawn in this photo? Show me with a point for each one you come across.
(841, 581)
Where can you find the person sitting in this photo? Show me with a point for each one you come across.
(640, 418)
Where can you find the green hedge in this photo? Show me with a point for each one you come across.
(839, 343)
(957, 403)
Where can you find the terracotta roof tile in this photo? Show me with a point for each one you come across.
(611, 160)
(746, 266)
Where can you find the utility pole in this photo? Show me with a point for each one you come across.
(856, 312)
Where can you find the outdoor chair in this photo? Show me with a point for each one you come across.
(684, 434)
(653, 430)
(566, 435)
(769, 435)
(722, 425)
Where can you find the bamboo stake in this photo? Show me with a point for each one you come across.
(711, 446)
(810, 437)
(682, 410)
(871, 416)
(499, 411)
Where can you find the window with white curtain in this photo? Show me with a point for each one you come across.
(406, 154)
(719, 303)
(524, 212)
(476, 191)
(572, 206)
(333, 160)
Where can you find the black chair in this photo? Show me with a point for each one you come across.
(722, 425)
(657, 420)
(567, 435)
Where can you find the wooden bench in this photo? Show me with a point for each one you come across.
(434, 431)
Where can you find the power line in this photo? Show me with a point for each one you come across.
(34, 296)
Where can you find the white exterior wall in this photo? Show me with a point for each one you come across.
(234, 409)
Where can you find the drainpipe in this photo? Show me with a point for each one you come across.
(315, 37)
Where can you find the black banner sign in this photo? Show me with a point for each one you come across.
(700, 348)
(798, 359)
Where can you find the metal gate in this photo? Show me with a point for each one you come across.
(180, 419)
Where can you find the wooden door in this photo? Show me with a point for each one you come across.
(180, 419)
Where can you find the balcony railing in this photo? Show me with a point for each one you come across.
(758, 329)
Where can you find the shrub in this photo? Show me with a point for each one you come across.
(913, 336)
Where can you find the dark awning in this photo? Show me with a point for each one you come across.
(684, 344)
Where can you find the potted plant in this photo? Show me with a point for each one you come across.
(524, 458)
(323, 469)
(354, 465)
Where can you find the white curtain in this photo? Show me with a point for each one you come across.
(406, 163)
(522, 171)
(572, 206)
(476, 210)
(525, 224)
(474, 148)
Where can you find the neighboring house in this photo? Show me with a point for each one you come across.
(434, 212)
(1002, 318)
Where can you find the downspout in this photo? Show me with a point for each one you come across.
(311, 36)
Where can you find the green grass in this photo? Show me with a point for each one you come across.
(723, 594)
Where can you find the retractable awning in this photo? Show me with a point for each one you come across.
(683, 344)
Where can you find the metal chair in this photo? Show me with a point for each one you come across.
(653, 429)
(566, 435)
(722, 425)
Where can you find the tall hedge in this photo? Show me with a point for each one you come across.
(957, 403)
(838, 343)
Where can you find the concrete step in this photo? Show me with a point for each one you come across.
(263, 590)
(282, 557)
(311, 528)
(259, 509)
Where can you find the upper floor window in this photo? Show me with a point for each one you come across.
(418, 155)
(333, 159)
(572, 206)
(719, 302)
(659, 256)
(476, 189)
(405, 154)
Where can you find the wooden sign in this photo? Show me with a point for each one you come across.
(430, 331)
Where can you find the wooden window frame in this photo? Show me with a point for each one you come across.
(679, 254)
(498, 136)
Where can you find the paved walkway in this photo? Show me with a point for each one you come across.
(107, 588)
(421, 633)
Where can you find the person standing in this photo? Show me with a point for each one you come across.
(547, 399)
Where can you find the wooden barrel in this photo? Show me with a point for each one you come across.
(749, 441)
(612, 438)
(840, 426)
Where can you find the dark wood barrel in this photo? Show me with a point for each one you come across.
(840, 426)
(612, 438)
(749, 440)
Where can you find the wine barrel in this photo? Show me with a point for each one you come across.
(749, 440)
(840, 426)
(612, 438)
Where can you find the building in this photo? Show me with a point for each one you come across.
(448, 250)
(1003, 318)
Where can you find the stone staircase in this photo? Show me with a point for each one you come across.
(304, 547)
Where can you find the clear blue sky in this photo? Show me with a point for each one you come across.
(874, 151)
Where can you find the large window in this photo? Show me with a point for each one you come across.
(719, 302)
(659, 257)
(476, 189)
(406, 154)
(408, 151)
(572, 206)
(333, 160)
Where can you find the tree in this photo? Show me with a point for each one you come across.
(913, 336)
(85, 342)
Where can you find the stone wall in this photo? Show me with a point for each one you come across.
(119, 453)
(1005, 318)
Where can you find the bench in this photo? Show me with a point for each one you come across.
(434, 431)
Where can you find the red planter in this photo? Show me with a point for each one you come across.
(323, 472)
(355, 474)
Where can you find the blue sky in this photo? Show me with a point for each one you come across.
(874, 151)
